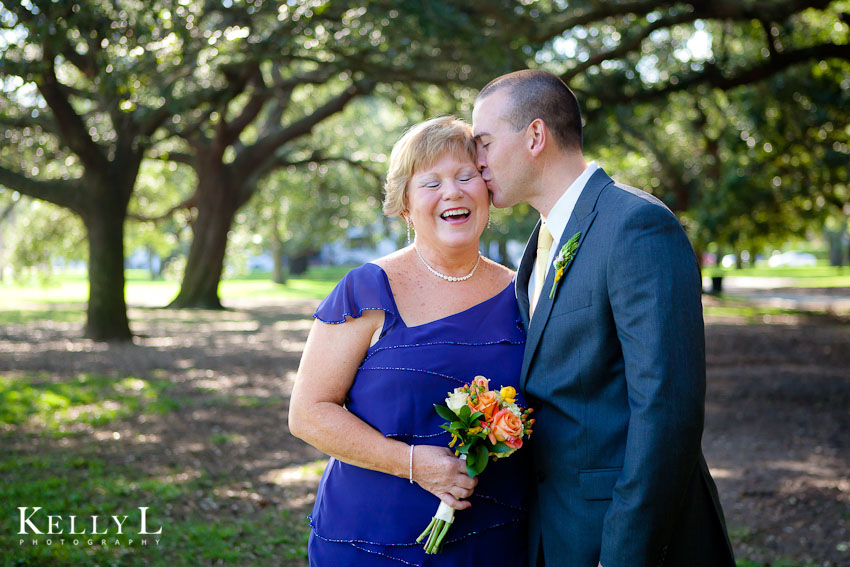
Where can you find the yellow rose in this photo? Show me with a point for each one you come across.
(508, 394)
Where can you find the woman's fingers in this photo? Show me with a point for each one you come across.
(460, 493)
(461, 466)
(466, 482)
(453, 502)
(438, 471)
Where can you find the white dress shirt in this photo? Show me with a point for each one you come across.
(557, 220)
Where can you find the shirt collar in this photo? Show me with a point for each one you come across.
(560, 214)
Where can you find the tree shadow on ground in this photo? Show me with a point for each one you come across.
(191, 418)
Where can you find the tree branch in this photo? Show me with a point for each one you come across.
(72, 130)
(317, 76)
(228, 132)
(772, 43)
(45, 122)
(559, 21)
(190, 203)
(712, 75)
(8, 210)
(251, 159)
(626, 46)
(63, 193)
(318, 157)
(178, 157)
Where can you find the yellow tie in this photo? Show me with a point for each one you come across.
(544, 243)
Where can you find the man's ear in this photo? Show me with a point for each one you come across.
(536, 136)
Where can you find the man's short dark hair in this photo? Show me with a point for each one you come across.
(539, 94)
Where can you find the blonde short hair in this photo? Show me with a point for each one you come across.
(419, 148)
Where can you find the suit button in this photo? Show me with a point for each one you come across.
(541, 477)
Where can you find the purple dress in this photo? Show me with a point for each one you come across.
(367, 518)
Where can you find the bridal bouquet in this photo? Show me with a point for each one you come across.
(485, 424)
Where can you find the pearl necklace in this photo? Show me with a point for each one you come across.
(444, 276)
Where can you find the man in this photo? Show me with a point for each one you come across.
(615, 358)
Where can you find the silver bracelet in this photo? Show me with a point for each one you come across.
(410, 466)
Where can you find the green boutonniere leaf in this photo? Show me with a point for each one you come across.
(565, 256)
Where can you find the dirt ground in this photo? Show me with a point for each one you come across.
(777, 434)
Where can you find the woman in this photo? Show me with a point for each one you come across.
(390, 341)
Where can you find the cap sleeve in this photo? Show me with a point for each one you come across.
(362, 289)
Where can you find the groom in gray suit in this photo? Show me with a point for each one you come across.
(609, 291)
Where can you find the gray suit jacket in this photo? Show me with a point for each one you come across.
(615, 367)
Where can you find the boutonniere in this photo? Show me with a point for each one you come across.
(563, 259)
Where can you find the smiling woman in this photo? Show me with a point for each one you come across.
(448, 205)
(405, 330)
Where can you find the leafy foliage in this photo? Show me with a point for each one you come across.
(257, 94)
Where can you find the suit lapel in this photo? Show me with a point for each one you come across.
(581, 219)
(526, 265)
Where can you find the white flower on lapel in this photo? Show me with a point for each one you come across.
(563, 259)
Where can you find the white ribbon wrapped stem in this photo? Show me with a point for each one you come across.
(445, 513)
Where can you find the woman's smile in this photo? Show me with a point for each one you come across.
(448, 202)
(457, 215)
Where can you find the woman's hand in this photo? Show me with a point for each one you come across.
(437, 470)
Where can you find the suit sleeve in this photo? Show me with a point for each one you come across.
(655, 293)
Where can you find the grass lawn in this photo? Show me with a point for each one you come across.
(73, 288)
(816, 276)
(743, 312)
(315, 284)
(94, 442)
(69, 474)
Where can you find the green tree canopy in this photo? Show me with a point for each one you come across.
(238, 89)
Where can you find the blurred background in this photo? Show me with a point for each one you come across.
(163, 160)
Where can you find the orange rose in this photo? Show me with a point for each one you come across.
(486, 402)
(506, 427)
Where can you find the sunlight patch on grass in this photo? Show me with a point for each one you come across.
(803, 277)
(24, 316)
(738, 310)
(296, 473)
(749, 313)
(785, 272)
(89, 399)
(73, 288)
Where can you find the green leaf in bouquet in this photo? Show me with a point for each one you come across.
(480, 435)
(482, 457)
(464, 449)
(500, 447)
(472, 418)
(463, 414)
(448, 428)
(446, 413)
(470, 458)
(470, 465)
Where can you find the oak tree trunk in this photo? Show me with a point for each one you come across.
(278, 268)
(217, 206)
(107, 309)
